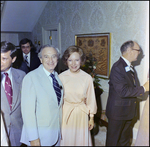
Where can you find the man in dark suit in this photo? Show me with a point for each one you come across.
(121, 106)
(11, 83)
(27, 58)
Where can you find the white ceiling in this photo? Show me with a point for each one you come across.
(21, 16)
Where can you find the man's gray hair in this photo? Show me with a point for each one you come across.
(48, 45)
(126, 45)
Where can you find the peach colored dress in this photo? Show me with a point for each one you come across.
(79, 102)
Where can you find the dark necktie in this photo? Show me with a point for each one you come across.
(56, 87)
(8, 90)
(26, 60)
(132, 74)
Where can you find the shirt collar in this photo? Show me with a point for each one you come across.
(48, 73)
(8, 71)
(27, 54)
(128, 63)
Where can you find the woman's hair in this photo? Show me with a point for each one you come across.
(47, 45)
(72, 49)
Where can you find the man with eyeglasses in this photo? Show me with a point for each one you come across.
(122, 105)
(27, 58)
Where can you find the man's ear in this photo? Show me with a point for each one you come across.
(40, 59)
(14, 59)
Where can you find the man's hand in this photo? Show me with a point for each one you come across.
(35, 142)
(146, 86)
(91, 123)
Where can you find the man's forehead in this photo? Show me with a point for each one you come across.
(26, 44)
(49, 50)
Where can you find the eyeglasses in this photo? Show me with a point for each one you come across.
(138, 50)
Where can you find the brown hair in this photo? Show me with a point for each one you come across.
(72, 49)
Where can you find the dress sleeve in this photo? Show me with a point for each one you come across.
(91, 100)
(4, 138)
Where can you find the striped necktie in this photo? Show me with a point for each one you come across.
(8, 90)
(26, 60)
(132, 74)
(56, 88)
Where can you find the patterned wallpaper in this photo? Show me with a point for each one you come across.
(124, 19)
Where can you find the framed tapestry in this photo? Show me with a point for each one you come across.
(99, 45)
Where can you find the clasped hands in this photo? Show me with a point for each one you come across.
(35, 142)
(91, 123)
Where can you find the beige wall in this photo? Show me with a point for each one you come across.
(124, 19)
(15, 37)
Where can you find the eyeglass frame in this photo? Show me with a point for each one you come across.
(136, 50)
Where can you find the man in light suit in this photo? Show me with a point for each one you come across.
(41, 109)
(121, 106)
(11, 101)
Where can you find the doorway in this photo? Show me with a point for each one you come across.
(52, 35)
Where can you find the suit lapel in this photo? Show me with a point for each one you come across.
(16, 87)
(136, 79)
(128, 73)
(31, 56)
(46, 84)
(4, 100)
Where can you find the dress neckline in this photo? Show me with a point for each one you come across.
(74, 74)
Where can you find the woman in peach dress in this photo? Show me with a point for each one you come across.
(79, 100)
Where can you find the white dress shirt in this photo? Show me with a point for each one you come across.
(129, 64)
(48, 74)
(27, 57)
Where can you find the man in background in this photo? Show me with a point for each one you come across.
(27, 58)
(41, 102)
(11, 83)
(121, 106)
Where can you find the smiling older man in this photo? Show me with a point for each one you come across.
(41, 102)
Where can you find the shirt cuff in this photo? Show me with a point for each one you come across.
(144, 89)
(91, 115)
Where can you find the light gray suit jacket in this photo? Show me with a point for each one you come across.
(42, 117)
(13, 119)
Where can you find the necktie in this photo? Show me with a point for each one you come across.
(132, 74)
(56, 88)
(8, 90)
(26, 60)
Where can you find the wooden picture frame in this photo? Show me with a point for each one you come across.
(100, 46)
